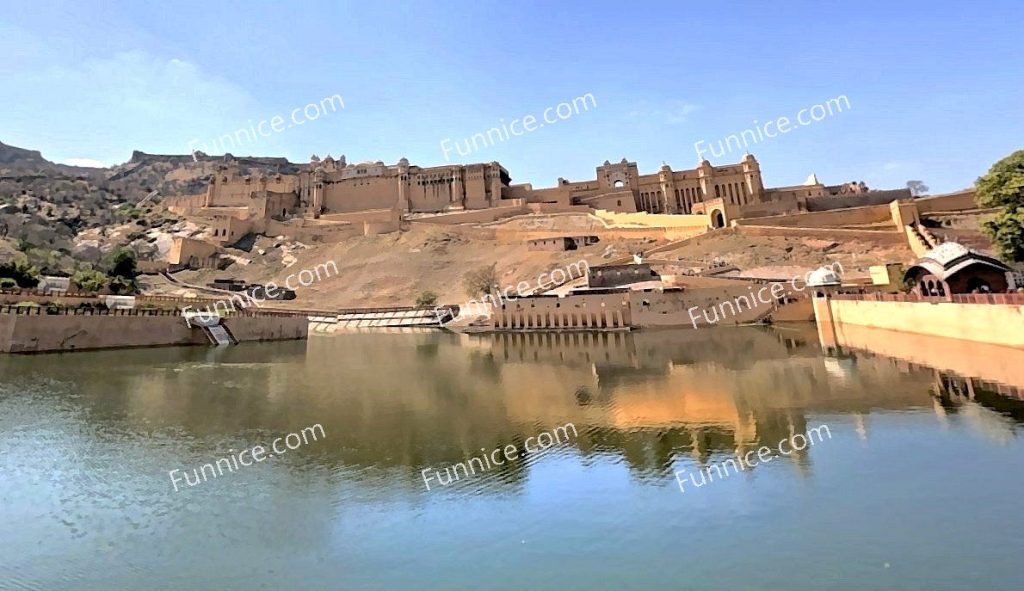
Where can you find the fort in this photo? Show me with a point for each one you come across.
(330, 200)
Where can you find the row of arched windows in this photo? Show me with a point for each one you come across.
(686, 197)
(734, 192)
(651, 201)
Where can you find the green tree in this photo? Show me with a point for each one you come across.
(1007, 232)
(1003, 187)
(426, 299)
(123, 271)
(89, 280)
(479, 282)
(124, 263)
(122, 285)
(23, 273)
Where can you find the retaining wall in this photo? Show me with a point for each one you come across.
(30, 333)
(877, 236)
(999, 320)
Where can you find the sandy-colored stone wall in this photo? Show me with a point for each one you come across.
(958, 201)
(653, 220)
(877, 236)
(547, 208)
(830, 202)
(592, 311)
(65, 332)
(1000, 324)
(370, 215)
(476, 216)
(307, 231)
(873, 214)
(618, 201)
(184, 205)
(651, 309)
(196, 254)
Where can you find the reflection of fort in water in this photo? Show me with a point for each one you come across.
(654, 395)
(403, 401)
(965, 375)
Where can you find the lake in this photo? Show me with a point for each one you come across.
(916, 486)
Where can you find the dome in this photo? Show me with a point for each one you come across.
(812, 180)
(947, 252)
(823, 277)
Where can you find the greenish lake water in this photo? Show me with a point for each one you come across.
(917, 488)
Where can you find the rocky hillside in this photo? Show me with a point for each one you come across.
(61, 217)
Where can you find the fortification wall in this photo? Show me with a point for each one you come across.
(766, 208)
(619, 201)
(856, 216)
(549, 208)
(653, 220)
(184, 205)
(370, 215)
(651, 309)
(194, 253)
(65, 332)
(958, 201)
(876, 236)
(302, 232)
(831, 202)
(999, 324)
(475, 216)
(366, 193)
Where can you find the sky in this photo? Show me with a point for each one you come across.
(933, 90)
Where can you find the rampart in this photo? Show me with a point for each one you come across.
(37, 330)
(986, 318)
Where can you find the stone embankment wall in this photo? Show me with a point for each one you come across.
(995, 318)
(31, 333)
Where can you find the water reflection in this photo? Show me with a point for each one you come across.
(407, 401)
(966, 376)
(412, 400)
(86, 441)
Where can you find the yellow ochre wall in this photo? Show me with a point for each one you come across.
(999, 324)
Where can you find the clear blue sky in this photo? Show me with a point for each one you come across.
(935, 88)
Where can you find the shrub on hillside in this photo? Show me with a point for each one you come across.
(21, 272)
(426, 299)
(479, 282)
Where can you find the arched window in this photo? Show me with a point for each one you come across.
(717, 192)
